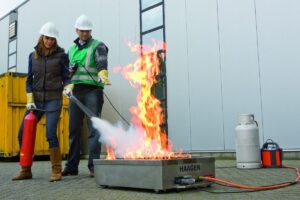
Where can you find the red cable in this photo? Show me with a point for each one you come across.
(255, 187)
(296, 169)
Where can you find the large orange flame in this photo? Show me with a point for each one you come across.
(147, 114)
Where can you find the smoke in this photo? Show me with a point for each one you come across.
(116, 136)
(132, 142)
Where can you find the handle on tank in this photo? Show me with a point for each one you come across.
(252, 117)
(270, 142)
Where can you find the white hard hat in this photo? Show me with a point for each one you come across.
(49, 29)
(83, 23)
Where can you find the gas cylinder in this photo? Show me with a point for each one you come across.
(28, 139)
(247, 143)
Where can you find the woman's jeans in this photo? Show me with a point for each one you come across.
(52, 109)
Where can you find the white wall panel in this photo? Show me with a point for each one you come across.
(4, 44)
(204, 75)
(279, 47)
(239, 64)
(177, 75)
(217, 67)
(110, 35)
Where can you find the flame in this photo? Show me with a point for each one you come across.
(147, 115)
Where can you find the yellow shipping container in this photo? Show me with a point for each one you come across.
(12, 107)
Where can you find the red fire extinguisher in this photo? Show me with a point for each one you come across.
(28, 140)
(271, 154)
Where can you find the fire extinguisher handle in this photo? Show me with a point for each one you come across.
(271, 141)
(256, 123)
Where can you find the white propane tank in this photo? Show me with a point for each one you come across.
(247, 143)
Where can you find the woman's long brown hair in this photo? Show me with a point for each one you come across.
(41, 50)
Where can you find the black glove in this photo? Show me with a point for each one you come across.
(73, 68)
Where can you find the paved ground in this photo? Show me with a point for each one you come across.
(84, 187)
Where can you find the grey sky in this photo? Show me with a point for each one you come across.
(8, 5)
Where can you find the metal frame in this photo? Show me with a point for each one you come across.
(163, 76)
(13, 18)
(162, 3)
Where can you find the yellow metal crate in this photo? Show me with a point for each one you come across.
(12, 107)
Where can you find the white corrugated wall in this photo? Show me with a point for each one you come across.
(225, 57)
(228, 57)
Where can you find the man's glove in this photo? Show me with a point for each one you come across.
(68, 90)
(30, 101)
(103, 77)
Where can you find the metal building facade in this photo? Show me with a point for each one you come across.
(224, 58)
(228, 57)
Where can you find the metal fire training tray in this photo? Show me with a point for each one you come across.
(159, 175)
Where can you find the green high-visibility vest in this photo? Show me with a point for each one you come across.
(86, 72)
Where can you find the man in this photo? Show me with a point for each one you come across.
(88, 68)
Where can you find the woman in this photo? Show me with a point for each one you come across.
(47, 75)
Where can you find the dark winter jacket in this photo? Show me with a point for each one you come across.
(47, 75)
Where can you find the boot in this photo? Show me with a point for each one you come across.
(25, 173)
(55, 158)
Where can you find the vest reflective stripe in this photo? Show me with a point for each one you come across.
(89, 69)
(88, 55)
(87, 73)
(86, 77)
(80, 76)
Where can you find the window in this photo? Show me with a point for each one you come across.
(152, 18)
(153, 36)
(12, 29)
(152, 21)
(12, 54)
(12, 61)
(148, 3)
(152, 28)
(12, 41)
(12, 46)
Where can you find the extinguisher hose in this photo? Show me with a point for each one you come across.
(85, 109)
(255, 188)
(112, 105)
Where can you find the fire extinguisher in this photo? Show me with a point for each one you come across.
(271, 154)
(28, 139)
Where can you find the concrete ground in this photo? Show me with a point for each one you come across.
(84, 187)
